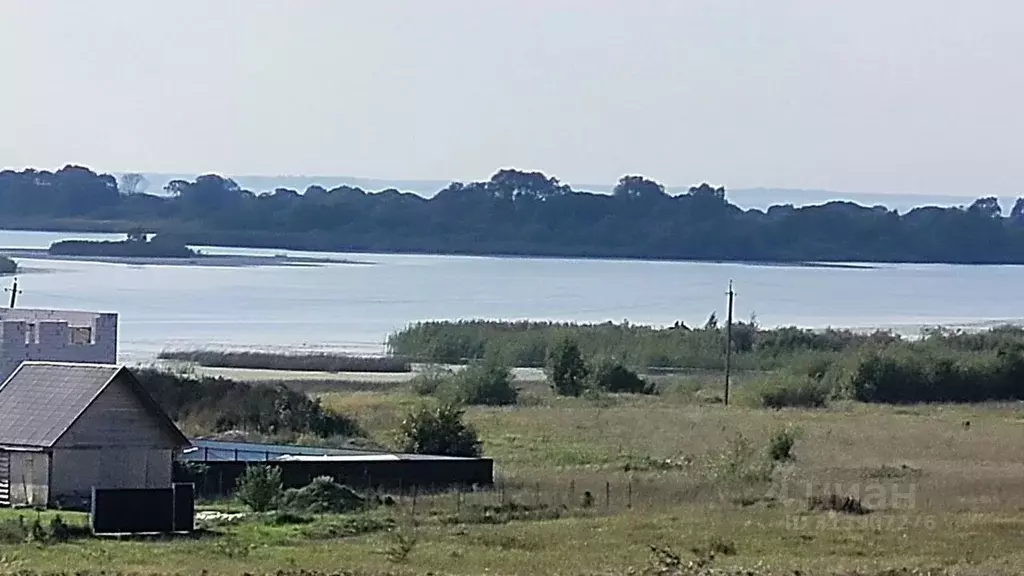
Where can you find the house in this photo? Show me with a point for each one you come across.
(56, 336)
(68, 427)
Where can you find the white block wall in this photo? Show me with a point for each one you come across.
(46, 336)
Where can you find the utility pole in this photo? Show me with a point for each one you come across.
(14, 292)
(728, 342)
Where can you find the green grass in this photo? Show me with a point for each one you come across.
(668, 471)
(987, 544)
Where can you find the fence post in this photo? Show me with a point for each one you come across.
(537, 495)
(629, 501)
(607, 494)
(572, 492)
(415, 491)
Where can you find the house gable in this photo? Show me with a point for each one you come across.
(119, 418)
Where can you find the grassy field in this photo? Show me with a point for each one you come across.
(945, 485)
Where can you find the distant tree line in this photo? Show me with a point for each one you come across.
(803, 367)
(528, 343)
(133, 247)
(513, 213)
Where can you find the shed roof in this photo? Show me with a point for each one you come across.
(40, 401)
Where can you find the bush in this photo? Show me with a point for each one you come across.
(836, 503)
(439, 432)
(430, 381)
(323, 495)
(260, 487)
(487, 382)
(220, 405)
(613, 377)
(59, 531)
(741, 462)
(792, 392)
(566, 368)
(780, 446)
(36, 532)
(927, 373)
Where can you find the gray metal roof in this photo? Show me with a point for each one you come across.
(40, 401)
(221, 451)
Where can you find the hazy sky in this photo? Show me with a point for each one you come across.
(918, 96)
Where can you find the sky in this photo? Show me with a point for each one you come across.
(900, 96)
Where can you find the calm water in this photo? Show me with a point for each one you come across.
(354, 307)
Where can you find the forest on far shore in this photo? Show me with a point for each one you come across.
(514, 213)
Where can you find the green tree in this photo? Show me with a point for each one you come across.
(484, 382)
(638, 188)
(614, 377)
(522, 213)
(439, 432)
(566, 368)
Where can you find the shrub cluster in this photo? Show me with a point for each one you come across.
(789, 390)
(439, 432)
(612, 376)
(527, 343)
(941, 367)
(260, 489)
(571, 375)
(917, 375)
(812, 367)
(486, 382)
(220, 404)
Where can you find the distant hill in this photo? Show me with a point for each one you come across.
(760, 198)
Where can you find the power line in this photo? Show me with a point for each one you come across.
(14, 292)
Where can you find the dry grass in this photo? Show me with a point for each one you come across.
(951, 468)
(661, 461)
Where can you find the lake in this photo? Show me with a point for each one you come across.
(354, 307)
